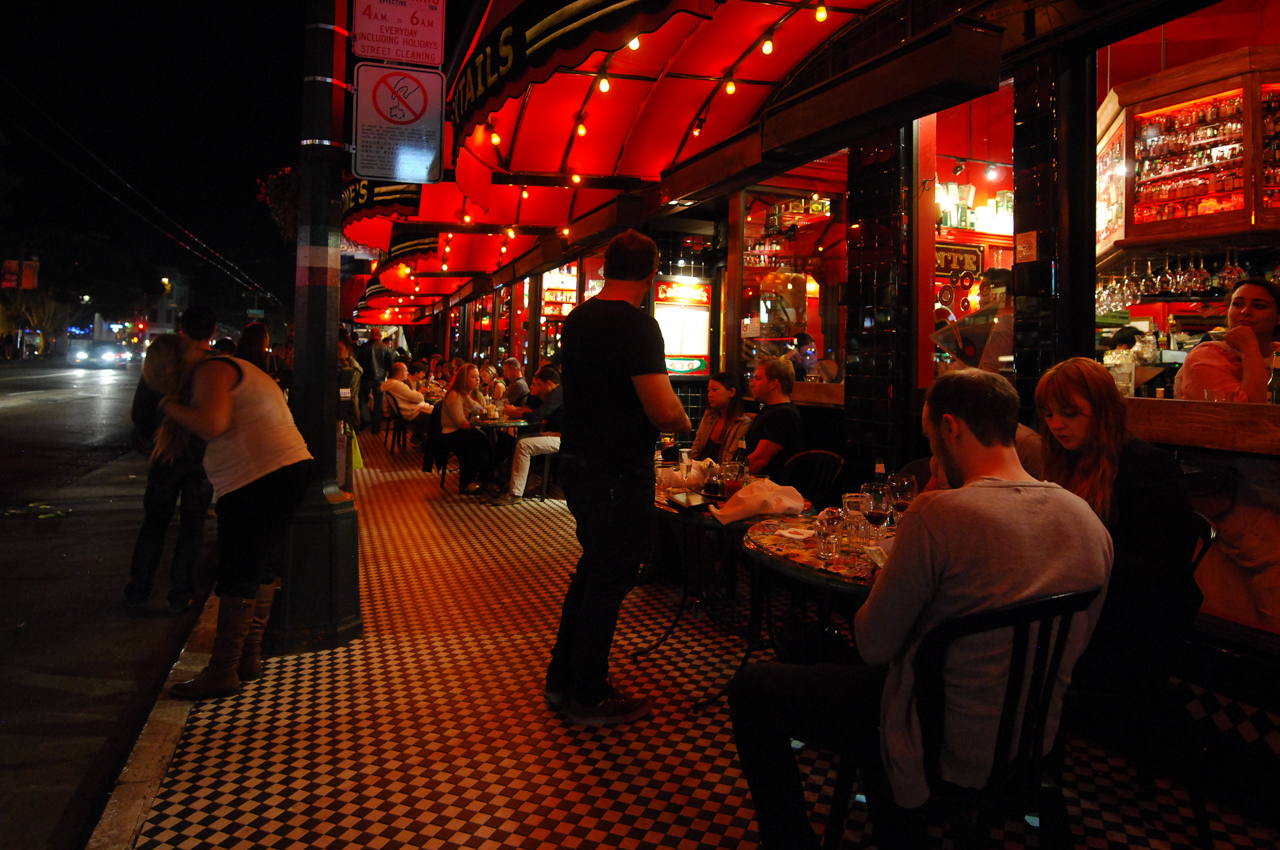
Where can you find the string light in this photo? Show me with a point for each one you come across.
(444, 266)
(565, 231)
(604, 84)
(511, 231)
(524, 193)
(767, 47)
(634, 43)
(730, 87)
(466, 218)
(582, 123)
(576, 178)
(697, 126)
(820, 13)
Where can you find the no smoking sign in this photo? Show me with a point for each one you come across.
(399, 123)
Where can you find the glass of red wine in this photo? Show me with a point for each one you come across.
(879, 505)
(902, 488)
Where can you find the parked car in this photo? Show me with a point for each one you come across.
(108, 354)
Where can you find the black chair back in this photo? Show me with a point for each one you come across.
(814, 474)
(435, 453)
(1040, 631)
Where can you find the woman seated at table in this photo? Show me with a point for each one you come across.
(725, 422)
(488, 375)
(462, 404)
(1138, 492)
(1237, 367)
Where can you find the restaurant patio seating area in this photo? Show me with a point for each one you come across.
(431, 730)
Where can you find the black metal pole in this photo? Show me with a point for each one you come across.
(319, 603)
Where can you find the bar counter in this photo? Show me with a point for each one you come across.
(1241, 428)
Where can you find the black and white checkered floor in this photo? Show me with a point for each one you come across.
(431, 731)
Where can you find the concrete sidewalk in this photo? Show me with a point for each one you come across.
(79, 672)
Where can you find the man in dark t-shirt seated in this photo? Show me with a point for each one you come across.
(777, 432)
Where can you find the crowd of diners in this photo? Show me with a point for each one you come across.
(1010, 512)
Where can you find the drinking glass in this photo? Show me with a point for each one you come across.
(879, 506)
(732, 473)
(902, 488)
(856, 526)
(830, 528)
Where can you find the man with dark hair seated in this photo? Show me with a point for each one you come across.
(546, 415)
(999, 538)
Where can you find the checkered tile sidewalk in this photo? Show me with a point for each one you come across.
(431, 731)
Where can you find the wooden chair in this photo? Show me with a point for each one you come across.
(1040, 631)
(397, 434)
(814, 474)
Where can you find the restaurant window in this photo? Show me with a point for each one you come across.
(518, 319)
(683, 301)
(794, 269)
(559, 297)
(966, 299)
(482, 322)
(456, 346)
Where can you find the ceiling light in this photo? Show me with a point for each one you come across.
(959, 169)
(582, 129)
(447, 249)
(511, 231)
(730, 87)
(767, 47)
(576, 179)
(604, 84)
(565, 231)
(444, 266)
(698, 125)
(820, 13)
(524, 193)
(495, 138)
(993, 173)
(504, 249)
(466, 218)
(634, 44)
(815, 196)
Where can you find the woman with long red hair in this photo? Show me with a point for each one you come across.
(1137, 490)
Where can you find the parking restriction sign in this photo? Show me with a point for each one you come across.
(399, 30)
(399, 123)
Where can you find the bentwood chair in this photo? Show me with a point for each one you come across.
(1040, 631)
(814, 474)
(397, 434)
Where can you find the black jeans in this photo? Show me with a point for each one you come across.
(832, 706)
(253, 528)
(167, 483)
(475, 454)
(612, 515)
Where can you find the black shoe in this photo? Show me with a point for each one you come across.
(617, 707)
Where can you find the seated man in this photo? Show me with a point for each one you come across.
(396, 390)
(777, 432)
(547, 416)
(517, 389)
(999, 538)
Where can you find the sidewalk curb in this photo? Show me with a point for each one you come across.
(135, 791)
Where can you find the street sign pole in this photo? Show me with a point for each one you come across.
(319, 602)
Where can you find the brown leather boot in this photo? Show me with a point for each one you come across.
(251, 654)
(220, 678)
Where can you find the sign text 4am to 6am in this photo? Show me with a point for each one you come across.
(399, 30)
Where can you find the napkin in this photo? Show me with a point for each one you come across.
(759, 497)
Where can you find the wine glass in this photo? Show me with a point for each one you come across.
(902, 489)
(1164, 280)
(879, 505)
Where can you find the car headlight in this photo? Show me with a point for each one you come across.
(82, 355)
(108, 356)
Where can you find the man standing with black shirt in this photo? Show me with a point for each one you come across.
(617, 397)
(777, 432)
(375, 359)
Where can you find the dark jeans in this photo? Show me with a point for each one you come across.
(253, 528)
(832, 706)
(167, 483)
(372, 388)
(612, 515)
(475, 454)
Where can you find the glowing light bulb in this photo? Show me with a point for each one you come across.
(582, 129)
(565, 231)
(820, 13)
(576, 178)
(634, 44)
(444, 266)
(767, 47)
(495, 138)
(730, 87)
(604, 84)
(511, 231)
(466, 219)
(447, 249)
(524, 193)
(697, 129)
(504, 249)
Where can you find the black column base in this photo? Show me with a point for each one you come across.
(318, 606)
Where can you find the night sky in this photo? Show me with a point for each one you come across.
(190, 103)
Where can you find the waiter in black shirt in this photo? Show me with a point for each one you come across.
(617, 398)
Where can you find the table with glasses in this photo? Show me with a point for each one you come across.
(785, 551)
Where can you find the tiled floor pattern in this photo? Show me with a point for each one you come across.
(431, 731)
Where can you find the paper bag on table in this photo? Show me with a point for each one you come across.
(760, 497)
